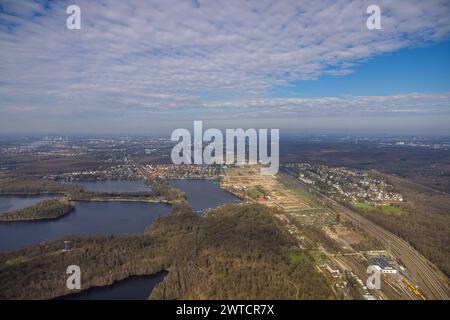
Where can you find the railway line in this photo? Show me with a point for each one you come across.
(429, 278)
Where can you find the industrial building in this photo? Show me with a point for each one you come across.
(383, 264)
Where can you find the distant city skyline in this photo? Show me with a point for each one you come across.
(151, 67)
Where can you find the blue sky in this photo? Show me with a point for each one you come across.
(146, 66)
(424, 69)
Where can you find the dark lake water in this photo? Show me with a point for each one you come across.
(132, 288)
(204, 194)
(109, 218)
(88, 218)
(113, 185)
(10, 203)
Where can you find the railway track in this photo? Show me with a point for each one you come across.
(429, 278)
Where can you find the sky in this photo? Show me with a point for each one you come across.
(154, 66)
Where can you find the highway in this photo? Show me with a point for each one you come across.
(431, 281)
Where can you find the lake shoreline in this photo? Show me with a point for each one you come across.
(162, 201)
(55, 209)
(88, 218)
(159, 276)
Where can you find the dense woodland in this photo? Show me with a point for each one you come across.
(30, 185)
(238, 251)
(161, 188)
(428, 233)
(43, 210)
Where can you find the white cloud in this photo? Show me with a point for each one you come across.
(138, 56)
(414, 103)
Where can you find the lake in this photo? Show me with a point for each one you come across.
(203, 194)
(131, 288)
(88, 218)
(112, 185)
(10, 203)
(91, 218)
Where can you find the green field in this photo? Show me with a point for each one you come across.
(255, 194)
(387, 209)
(297, 257)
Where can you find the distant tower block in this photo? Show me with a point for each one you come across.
(66, 245)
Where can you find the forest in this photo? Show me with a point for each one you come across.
(30, 185)
(43, 210)
(423, 220)
(234, 252)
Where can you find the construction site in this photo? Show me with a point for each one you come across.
(247, 183)
(342, 248)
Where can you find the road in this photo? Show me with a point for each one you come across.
(428, 277)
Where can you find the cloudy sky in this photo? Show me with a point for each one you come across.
(153, 66)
